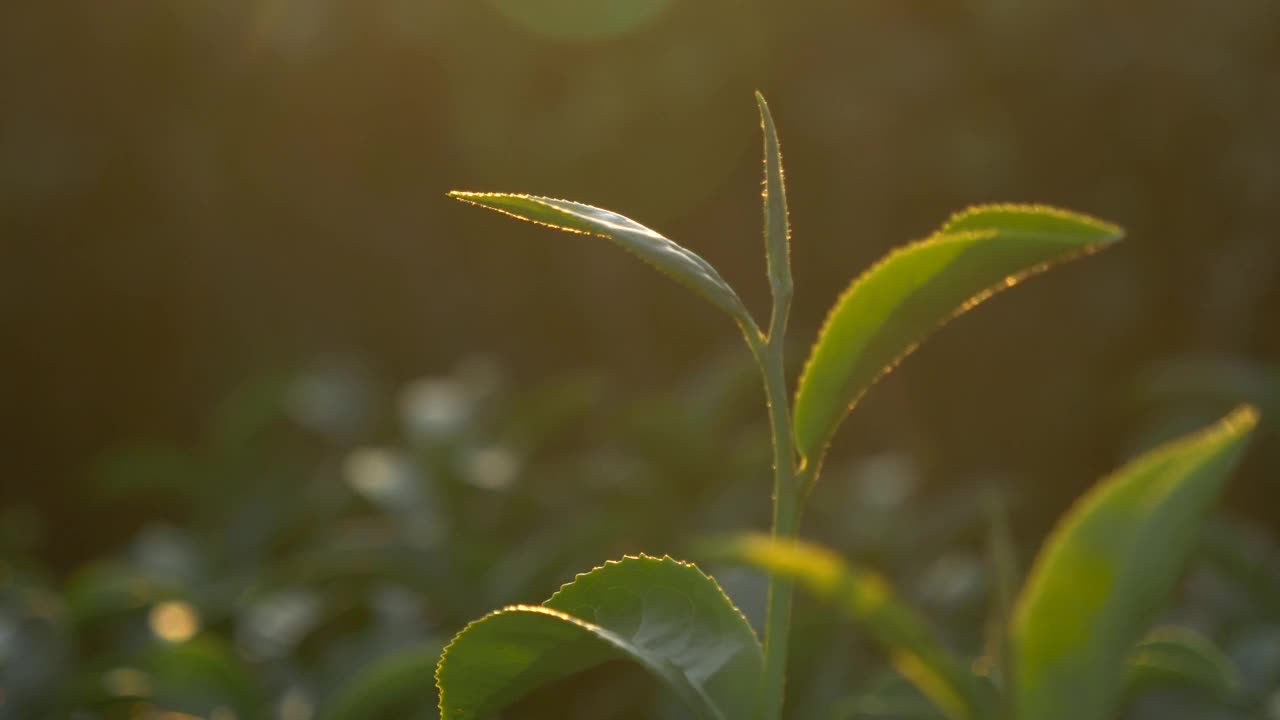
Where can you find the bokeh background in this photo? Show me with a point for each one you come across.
(244, 330)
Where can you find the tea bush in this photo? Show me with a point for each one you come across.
(1060, 650)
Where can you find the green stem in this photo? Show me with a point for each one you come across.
(786, 519)
(769, 354)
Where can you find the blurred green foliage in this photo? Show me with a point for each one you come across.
(306, 556)
(316, 572)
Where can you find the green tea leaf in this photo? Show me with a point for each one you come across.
(866, 598)
(777, 229)
(1180, 657)
(392, 687)
(1106, 568)
(890, 308)
(658, 251)
(665, 615)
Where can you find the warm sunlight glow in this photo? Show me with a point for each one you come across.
(174, 621)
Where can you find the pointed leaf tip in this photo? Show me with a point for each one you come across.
(673, 260)
(1242, 419)
(889, 309)
(777, 227)
(1107, 567)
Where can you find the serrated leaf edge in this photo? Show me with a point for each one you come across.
(665, 559)
(734, 307)
(1114, 231)
(978, 298)
(467, 196)
(604, 633)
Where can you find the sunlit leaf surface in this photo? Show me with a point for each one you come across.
(866, 598)
(1106, 569)
(658, 251)
(894, 305)
(665, 615)
(777, 228)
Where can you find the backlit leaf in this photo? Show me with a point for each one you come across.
(777, 228)
(1107, 567)
(665, 615)
(890, 308)
(658, 251)
(866, 599)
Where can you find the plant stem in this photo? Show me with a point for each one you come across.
(786, 516)
(769, 352)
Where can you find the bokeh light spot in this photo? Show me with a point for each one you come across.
(580, 19)
(434, 408)
(174, 621)
(273, 625)
(383, 477)
(492, 468)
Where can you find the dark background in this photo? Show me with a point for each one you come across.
(196, 194)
